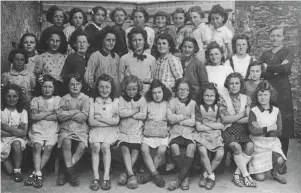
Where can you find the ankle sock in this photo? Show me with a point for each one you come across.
(241, 164)
(17, 170)
(212, 176)
(38, 173)
(205, 174)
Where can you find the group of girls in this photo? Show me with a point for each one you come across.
(140, 90)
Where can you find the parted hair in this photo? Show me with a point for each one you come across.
(155, 84)
(63, 46)
(76, 10)
(218, 9)
(162, 13)
(112, 15)
(21, 103)
(181, 10)
(241, 80)
(100, 36)
(21, 46)
(127, 80)
(106, 78)
(183, 81)
(210, 47)
(263, 86)
(137, 30)
(142, 10)
(74, 35)
(207, 86)
(97, 8)
(240, 37)
(47, 78)
(192, 40)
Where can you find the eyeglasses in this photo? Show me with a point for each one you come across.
(183, 89)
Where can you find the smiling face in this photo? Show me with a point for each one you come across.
(160, 21)
(104, 89)
(195, 18)
(241, 46)
(12, 98)
(109, 42)
(179, 19)
(58, 18)
(119, 17)
(183, 91)
(78, 19)
(54, 42)
(163, 46)
(188, 48)
(99, 17)
(209, 97)
(138, 42)
(81, 44)
(277, 37)
(215, 56)
(29, 44)
(139, 19)
(234, 85)
(18, 62)
(255, 72)
(264, 97)
(47, 89)
(132, 89)
(74, 86)
(217, 20)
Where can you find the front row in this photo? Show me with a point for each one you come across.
(137, 123)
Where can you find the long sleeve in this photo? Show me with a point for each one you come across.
(171, 115)
(172, 33)
(190, 122)
(202, 74)
(278, 132)
(283, 68)
(39, 65)
(62, 113)
(143, 111)
(206, 35)
(86, 106)
(253, 130)
(90, 71)
(176, 67)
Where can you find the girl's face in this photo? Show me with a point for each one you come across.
(29, 44)
(139, 19)
(74, 86)
(78, 19)
(109, 42)
(183, 91)
(119, 17)
(19, 62)
(138, 42)
(104, 89)
(58, 18)
(234, 85)
(215, 56)
(99, 17)
(47, 89)
(255, 72)
(195, 18)
(264, 97)
(209, 96)
(277, 37)
(54, 42)
(163, 46)
(82, 44)
(12, 98)
(241, 46)
(179, 19)
(157, 94)
(160, 21)
(217, 20)
(132, 89)
(188, 48)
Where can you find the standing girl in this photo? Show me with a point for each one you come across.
(103, 120)
(254, 73)
(132, 112)
(43, 133)
(14, 121)
(209, 137)
(181, 115)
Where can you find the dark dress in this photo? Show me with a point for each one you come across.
(121, 46)
(91, 30)
(277, 74)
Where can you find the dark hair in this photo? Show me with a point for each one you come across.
(181, 10)
(263, 86)
(171, 44)
(142, 10)
(197, 9)
(106, 78)
(190, 39)
(155, 84)
(14, 52)
(210, 47)
(100, 36)
(47, 78)
(207, 86)
(127, 80)
(241, 80)
(218, 9)
(254, 63)
(52, 10)
(137, 30)
(76, 76)
(96, 9)
(241, 37)
(112, 15)
(162, 13)
(21, 46)
(63, 46)
(76, 10)
(21, 103)
(75, 35)
(183, 81)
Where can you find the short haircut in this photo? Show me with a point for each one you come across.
(155, 84)
(21, 46)
(106, 78)
(183, 81)
(76, 10)
(162, 13)
(241, 80)
(52, 10)
(14, 52)
(22, 99)
(254, 63)
(263, 86)
(241, 37)
(142, 10)
(97, 8)
(74, 35)
(207, 86)
(63, 46)
(47, 78)
(192, 40)
(218, 9)
(197, 9)
(76, 76)
(127, 80)
(137, 30)
(181, 10)
(112, 15)
(171, 44)
(278, 27)
(211, 46)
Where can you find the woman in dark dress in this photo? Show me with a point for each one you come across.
(277, 68)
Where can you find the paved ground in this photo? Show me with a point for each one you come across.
(223, 183)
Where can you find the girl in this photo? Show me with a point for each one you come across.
(155, 134)
(77, 20)
(73, 113)
(29, 43)
(161, 20)
(254, 73)
(18, 74)
(180, 18)
(209, 136)
(132, 112)
(218, 17)
(119, 16)
(43, 133)
(140, 17)
(234, 112)
(201, 32)
(169, 68)
(265, 126)
(194, 70)
(14, 120)
(181, 114)
(99, 14)
(52, 61)
(103, 120)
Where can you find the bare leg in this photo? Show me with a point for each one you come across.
(67, 154)
(106, 151)
(205, 159)
(218, 158)
(160, 156)
(147, 158)
(80, 150)
(95, 159)
(37, 149)
(46, 155)
(127, 160)
(134, 156)
(17, 154)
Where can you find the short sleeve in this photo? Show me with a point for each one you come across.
(57, 102)
(227, 36)
(206, 34)
(34, 106)
(4, 78)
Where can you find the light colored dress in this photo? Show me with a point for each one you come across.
(108, 109)
(222, 36)
(12, 118)
(68, 127)
(44, 130)
(240, 64)
(156, 127)
(30, 66)
(182, 33)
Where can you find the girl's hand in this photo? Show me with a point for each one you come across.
(256, 124)
(272, 128)
(265, 66)
(285, 62)
(22, 126)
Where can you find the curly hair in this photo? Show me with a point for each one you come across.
(50, 31)
(142, 10)
(197, 9)
(263, 86)
(131, 79)
(218, 9)
(241, 37)
(106, 78)
(210, 47)
(47, 78)
(181, 10)
(162, 13)
(241, 80)
(75, 35)
(155, 84)
(97, 8)
(207, 86)
(192, 40)
(21, 105)
(14, 52)
(137, 30)
(171, 44)
(21, 43)
(112, 15)
(101, 35)
(52, 10)
(183, 81)
(77, 10)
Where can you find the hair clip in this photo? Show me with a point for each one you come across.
(91, 11)
(41, 78)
